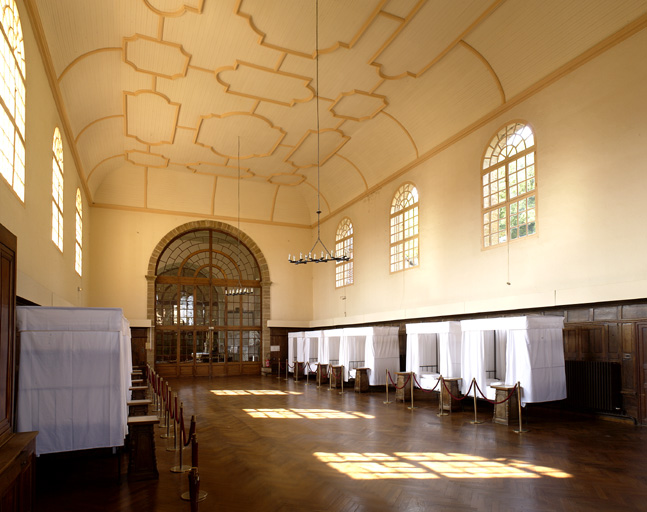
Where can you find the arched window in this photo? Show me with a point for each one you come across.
(199, 328)
(78, 258)
(57, 189)
(344, 245)
(509, 187)
(12, 99)
(404, 228)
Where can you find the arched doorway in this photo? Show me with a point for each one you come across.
(200, 329)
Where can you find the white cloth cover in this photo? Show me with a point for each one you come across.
(74, 374)
(534, 355)
(421, 350)
(377, 346)
(329, 347)
(296, 342)
(311, 349)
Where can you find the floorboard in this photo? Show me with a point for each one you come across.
(271, 445)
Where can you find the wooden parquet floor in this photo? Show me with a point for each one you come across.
(270, 445)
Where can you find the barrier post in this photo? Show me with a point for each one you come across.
(167, 415)
(476, 421)
(387, 388)
(175, 420)
(161, 410)
(181, 468)
(441, 408)
(521, 429)
(405, 386)
(194, 494)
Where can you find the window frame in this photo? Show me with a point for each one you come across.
(345, 244)
(523, 208)
(398, 229)
(78, 253)
(58, 189)
(12, 105)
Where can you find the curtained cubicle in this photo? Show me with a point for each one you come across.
(74, 376)
(434, 349)
(507, 350)
(376, 348)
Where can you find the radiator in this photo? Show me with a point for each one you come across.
(594, 385)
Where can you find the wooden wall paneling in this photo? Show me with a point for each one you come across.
(641, 376)
(571, 343)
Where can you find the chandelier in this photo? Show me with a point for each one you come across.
(240, 289)
(311, 255)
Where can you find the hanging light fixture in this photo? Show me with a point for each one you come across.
(240, 289)
(311, 255)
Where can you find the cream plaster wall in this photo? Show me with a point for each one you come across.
(44, 274)
(122, 244)
(591, 129)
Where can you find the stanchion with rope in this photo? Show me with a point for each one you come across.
(387, 401)
(449, 392)
(411, 407)
(173, 412)
(181, 468)
(167, 413)
(521, 430)
(475, 421)
(194, 494)
(516, 388)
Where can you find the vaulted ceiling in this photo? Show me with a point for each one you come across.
(156, 94)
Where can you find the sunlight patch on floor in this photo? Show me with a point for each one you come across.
(430, 465)
(240, 392)
(311, 414)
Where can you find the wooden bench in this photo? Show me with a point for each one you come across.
(138, 407)
(142, 461)
(138, 392)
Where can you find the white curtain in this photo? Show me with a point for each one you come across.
(353, 348)
(311, 348)
(427, 341)
(329, 349)
(529, 350)
(382, 353)
(295, 348)
(74, 379)
(536, 359)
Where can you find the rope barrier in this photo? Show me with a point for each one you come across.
(395, 385)
(459, 399)
(493, 402)
(423, 389)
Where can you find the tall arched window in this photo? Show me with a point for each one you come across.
(344, 245)
(404, 228)
(200, 329)
(12, 99)
(78, 258)
(509, 187)
(57, 189)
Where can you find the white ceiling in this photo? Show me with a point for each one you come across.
(155, 94)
